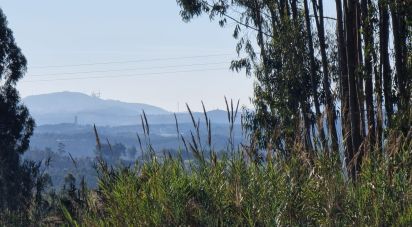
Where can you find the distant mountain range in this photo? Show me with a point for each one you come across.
(82, 109)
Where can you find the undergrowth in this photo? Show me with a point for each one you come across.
(236, 190)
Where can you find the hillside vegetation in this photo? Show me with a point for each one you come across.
(303, 189)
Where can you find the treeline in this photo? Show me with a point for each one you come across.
(313, 71)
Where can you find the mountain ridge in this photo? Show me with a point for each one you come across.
(79, 108)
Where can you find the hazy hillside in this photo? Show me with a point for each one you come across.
(64, 107)
(117, 121)
(80, 140)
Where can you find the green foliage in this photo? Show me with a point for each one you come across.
(18, 180)
(191, 8)
(299, 190)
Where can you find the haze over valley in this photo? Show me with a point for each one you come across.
(67, 118)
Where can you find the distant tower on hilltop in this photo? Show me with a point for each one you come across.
(76, 120)
(96, 94)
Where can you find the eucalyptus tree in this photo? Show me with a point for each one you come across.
(16, 125)
(277, 54)
(300, 68)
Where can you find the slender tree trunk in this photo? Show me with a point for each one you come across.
(379, 112)
(351, 30)
(304, 102)
(368, 49)
(359, 79)
(307, 124)
(346, 128)
(287, 8)
(313, 77)
(282, 8)
(294, 7)
(399, 37)
(384, 60)
(273, 16)
(330, 106)
(383, 75)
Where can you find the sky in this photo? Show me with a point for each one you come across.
(129, 50)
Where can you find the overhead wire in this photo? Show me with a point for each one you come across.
(127, 75)
(129, 61)
(128, 69)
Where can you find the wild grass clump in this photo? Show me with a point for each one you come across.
(236, 190)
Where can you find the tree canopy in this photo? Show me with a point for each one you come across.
(314, 73)
(16, 125)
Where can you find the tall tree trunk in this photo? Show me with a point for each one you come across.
(383, 76)
(384, 59)
(399, 37)
(313, 77)
(307, 124)
(294, 6)
(351, 30)
(282, 8)
(379, 112)
(304, 101)
(329, 104)
(359, 79)
(368, 49)
(346, 128)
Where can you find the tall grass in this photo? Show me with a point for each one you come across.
(235, 190)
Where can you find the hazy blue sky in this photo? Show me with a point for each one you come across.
(75, 32)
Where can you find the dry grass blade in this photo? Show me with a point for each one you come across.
(48, 161)
(237, 108)
(74, 161)
(185, 144)
(110, 146)
(99, 146)
(143, 125)
(191, 115)
(213, 158)
(205, 113)
(232, 114)
(196, 153)
(209, 133)
(140, 144)
(146, 123)
(227, 109)
(198, 133)
(177, 126)
(194, 141)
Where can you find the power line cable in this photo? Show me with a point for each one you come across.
(129, 69)
(128, 75)
(130, 61)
